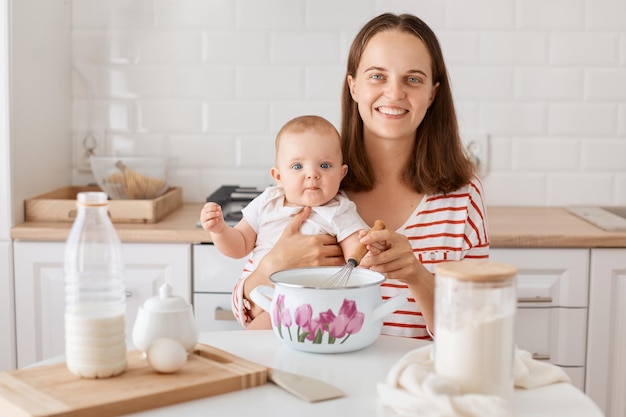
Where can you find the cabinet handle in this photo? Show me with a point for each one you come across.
(541, 356)
(222, 314)
(534, 300)
(129, 294)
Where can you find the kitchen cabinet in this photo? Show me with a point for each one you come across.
(40, 299)
(606, 347)
(552, 290)
(215, 276)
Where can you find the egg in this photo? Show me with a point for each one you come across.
(166, 355)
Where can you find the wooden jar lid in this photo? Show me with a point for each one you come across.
(476, 270)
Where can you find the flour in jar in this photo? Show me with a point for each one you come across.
(478, 354)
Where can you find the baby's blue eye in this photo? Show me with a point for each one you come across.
(414, 80)
(325, 165)
(377, 76)
(296, 166)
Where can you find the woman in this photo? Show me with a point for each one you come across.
(407, 167)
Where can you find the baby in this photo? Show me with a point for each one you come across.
(308, 172)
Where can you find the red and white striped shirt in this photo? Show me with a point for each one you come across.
(442, 228)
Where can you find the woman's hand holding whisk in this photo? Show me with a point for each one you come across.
(390, 254)
(398, 262)
(373, 248)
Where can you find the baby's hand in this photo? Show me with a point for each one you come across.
(212, 218)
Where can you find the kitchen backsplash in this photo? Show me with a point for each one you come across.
(211, 82)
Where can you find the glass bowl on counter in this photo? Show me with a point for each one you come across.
(133, 178)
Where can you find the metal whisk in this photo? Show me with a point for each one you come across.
(341, 278)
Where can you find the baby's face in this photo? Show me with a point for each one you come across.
(309, 167)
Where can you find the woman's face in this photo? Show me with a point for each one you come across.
(393, 86)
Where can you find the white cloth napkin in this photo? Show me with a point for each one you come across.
(413, 388)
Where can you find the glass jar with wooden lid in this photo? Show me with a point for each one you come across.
(475, 304)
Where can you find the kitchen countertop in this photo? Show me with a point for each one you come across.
(177, 227)
(514, 227)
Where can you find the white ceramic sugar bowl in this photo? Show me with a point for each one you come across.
(165, 316)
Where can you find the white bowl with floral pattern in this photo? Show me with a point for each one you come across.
(310, 317)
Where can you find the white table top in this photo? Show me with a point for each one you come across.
(356, 373)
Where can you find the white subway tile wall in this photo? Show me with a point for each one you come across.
(212, 81)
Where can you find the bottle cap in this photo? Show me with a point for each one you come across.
(92, 198)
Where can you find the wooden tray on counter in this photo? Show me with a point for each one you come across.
(52, 390)
(60, 206)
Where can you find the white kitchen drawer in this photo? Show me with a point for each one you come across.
(213, 312)
(549, 277)
(213, 271)
(557, 335)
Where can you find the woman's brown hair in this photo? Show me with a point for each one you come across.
(439, 163)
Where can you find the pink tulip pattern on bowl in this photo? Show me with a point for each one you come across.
(338, 326)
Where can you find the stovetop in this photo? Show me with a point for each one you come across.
(233, 198)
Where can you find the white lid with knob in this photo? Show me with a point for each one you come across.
(166, 302)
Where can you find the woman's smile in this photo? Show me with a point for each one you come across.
(391, 111)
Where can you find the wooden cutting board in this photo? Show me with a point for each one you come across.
(52, 390)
